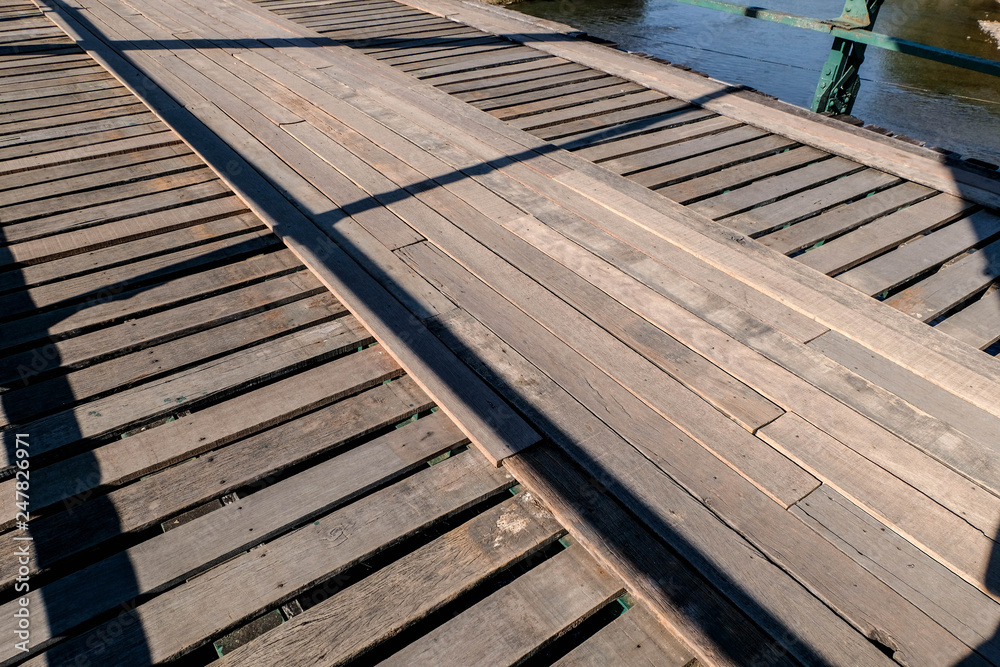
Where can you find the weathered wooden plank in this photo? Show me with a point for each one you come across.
(731, 168)
(34, 106)
(516, 72)
(770, 189)
(519, 619)
(111, 143)
(433, 69)
(344, 626)
(917, 391)
(612, 90)
(74, 480)
(519, 82)
(43, 117)
(64, 322)
(119, 373)
(903, 507)
(655, 157)
(554, 90)
(815, 200)
(112, 233)
(420, 49)
(684, 122)
(951, 286)
(845, 218)
(978, 324)
(187, 616)
(964, 611)
(149, 196)
(99, 286)
(892, 155)
(582, 358)
(741, 403)
(924, 254)
(212, 380)
(634, 109)
(885, 233)
(796, 377)
(169, 559)
(106, 258)
(718, 631)
(634, 638)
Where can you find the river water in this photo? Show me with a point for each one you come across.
(942, 105)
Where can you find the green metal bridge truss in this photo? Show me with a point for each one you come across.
(852, 32)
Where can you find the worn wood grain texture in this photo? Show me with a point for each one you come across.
(334, 632)
(167, 626)
(170, 558)
(519, 619)
(634, 638)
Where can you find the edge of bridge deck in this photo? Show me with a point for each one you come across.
(904, 159)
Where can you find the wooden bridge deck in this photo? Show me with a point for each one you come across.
(243, 267)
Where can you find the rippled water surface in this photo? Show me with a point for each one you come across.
(942, 105)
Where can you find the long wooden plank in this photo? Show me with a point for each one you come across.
(853, 304)
(634, 638)
(344, 626)
(112, 143)
(210, 380)
(96, 260)
(717, 172)
(925, 395)
(845, 218)
(621, 322)
(965, 549)
(770, 189)
(63, 322)
(61, 392)
(684, 121)
(802, 378)
(951, 286)
(885, 233)
(505, 88)
(717, 630)
(596, 115)
(815, 200)
(147, 224)
(646, 161)
(240, 301)
(435, 368)
(254, 462)
(170, 558)
(519, 619)
(149, 196)
(54, 181)
(96, 287)
(126, 459)
(924, 254)
(942, 595)
(554, 90)
(185, 617)
(978, 324)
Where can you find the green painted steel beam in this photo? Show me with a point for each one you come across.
(847, 29)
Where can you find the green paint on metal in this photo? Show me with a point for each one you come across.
(438, 459)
